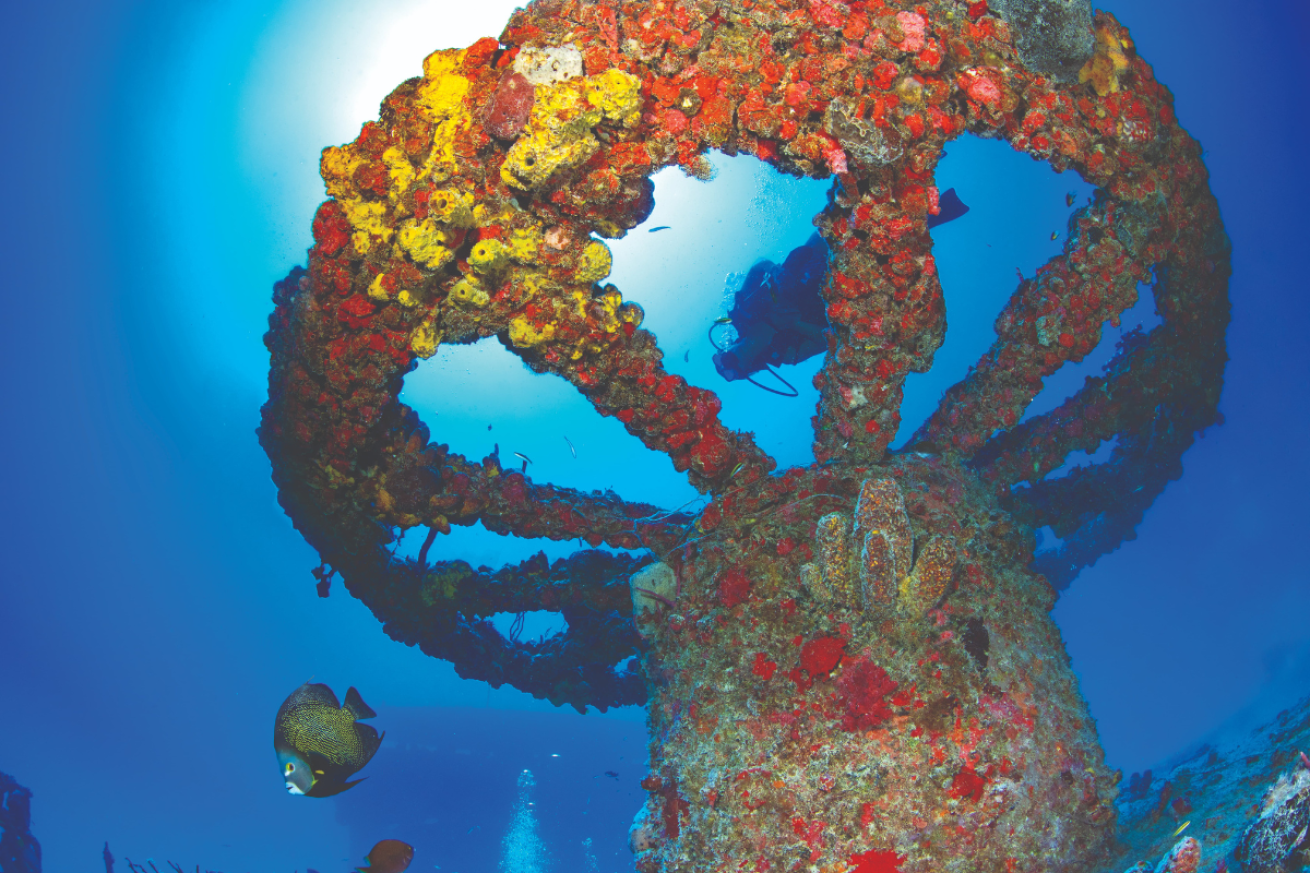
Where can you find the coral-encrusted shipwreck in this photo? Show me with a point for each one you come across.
(848, 666)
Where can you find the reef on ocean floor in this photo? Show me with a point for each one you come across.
(1245, 799)
(19, 850)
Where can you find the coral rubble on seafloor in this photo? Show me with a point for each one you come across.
(1184, 857)
(1246, 799)
(846, 666)
(19, 850)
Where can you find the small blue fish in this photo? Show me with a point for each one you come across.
(1070, 198)
(661, 227)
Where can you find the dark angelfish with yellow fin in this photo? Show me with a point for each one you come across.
(319, 742)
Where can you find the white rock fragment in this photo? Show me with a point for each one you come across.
(546, 66)
(653, 587)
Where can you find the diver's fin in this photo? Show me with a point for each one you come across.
(950, 207)
(358, 708)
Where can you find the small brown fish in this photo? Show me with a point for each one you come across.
(388, 856)
(1055, 234)
(1069, 198)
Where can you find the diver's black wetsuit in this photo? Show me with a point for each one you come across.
(779, 313)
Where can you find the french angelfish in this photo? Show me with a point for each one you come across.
(319, 743)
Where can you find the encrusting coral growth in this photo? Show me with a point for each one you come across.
(871, 564)
(849, 666)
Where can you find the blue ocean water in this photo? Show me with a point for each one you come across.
(156, 605)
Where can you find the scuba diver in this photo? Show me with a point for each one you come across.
(779, 314)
